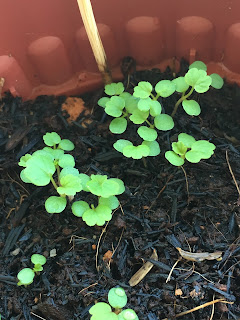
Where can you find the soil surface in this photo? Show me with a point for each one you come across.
(160, 211)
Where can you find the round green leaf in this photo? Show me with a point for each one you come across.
(55, 204)
(115, 106)
(117, 298)
(147, 134)
(186, 139)
(138, 117)
(97, 216)
(174, 158)
(51, 139)
(155, 108)
(193, 156)
(25, 276)
(198, 79)
(163, 122)
(39, 169)
(144, 104)
(191, 107)
(118, 125)
(79, 207)
(66, 160)
(137, 152)
(180, 84)
(165, 88)
(121, 187)
(153, 147)
(111, 202)
(70, 185)
(66, 145)
(102, 102)
(128, 314)
(114, 88)
(38, 259)
(199, 65)
(69, 170)
(217, 81)
(206, 148)
(101, 186)
(142, 90)
(120, 144)
(102, 311)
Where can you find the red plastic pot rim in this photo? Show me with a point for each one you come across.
(45, 50)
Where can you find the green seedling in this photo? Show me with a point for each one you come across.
(117, 299)
(190, 149)
(106, 190)
(196, 79)
(38, 260)
(140, 108)
(42, 165)
(144, 110)
(26, 275)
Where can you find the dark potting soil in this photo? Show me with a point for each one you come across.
(159, 210)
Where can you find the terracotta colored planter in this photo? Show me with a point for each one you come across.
(44, 48)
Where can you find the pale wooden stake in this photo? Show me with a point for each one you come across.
(86, 11)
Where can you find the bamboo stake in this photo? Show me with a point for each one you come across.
(86, 11)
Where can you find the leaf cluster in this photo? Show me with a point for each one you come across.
(188, 148)
(26, 275)
(40, 167)
(117, 299)
(143, 109)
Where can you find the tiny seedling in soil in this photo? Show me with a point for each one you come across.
(40, 167)
(117, 299)
(26, 275)
(190, 149)
(144, 110)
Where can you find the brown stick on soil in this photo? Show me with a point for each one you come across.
(86, 11)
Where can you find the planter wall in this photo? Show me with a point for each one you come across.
(44, 48)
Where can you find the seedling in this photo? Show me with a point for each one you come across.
(190, 149)
(106, 190)
(26, 275)
(41, 166)
(143, 108)
(117, 299)
(196, 79)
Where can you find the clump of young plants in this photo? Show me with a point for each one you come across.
(143, 109)
(52, 164)
(188, 148)
(117, 299)
(26, 275)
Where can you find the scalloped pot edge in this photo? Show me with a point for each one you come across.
(45, 49)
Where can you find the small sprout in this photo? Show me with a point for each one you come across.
(117, 298)
(102, 311)
(25, 277)
(38, 260)
(200, 149)
(197, 80)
